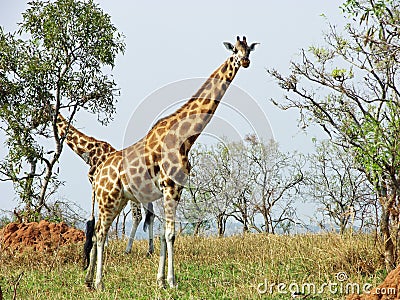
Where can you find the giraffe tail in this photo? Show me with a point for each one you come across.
(149, 216)
(89, 242)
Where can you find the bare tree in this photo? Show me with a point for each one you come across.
(238, 185)
(276, 179)
(342, 192)
(194, 209)
(207, 195)
(242, 181)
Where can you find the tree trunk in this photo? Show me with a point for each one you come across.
(387, 239)
(43, 189)
(221, 222)
(267, 224)
(245, 226)
(245, 217)
(342, 226)
(28, 190)
(196, 230)
(49, 172)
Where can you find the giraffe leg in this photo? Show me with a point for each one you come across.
(170, 239)
(90, 271)
(151, 237)
(171, 195)
(161, 265)
(101, 238)
(150, 220)
(136, 217)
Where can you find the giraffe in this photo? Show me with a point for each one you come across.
(94, 152)
(157, 165)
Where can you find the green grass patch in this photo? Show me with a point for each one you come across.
(239, 267)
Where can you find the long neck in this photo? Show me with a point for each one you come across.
(199, 110)
(207, 98)
(88, 148)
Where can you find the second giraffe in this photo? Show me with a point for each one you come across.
(94, 152)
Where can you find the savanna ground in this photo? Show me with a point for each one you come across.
(237, 267)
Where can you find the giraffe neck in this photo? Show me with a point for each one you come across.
(192, 117)
(92, 151)
(196, 113)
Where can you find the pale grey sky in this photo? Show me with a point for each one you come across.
(170, 41)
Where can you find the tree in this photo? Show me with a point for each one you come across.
(238, 181)
(208, 194)
(243, 181)
(276, 179)
(350, 88)
(60, 65)
(342, 192)
(194, 207)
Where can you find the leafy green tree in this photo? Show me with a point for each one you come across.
(350, 87)
(55, 60)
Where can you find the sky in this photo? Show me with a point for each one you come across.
(172, 46)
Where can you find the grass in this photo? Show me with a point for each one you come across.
(206, 268)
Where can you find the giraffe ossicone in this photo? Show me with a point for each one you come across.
(156, 166)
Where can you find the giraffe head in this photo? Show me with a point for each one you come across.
(241, 51)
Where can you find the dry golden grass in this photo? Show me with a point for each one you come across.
(206, 268)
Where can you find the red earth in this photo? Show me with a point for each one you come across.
(42, 236)
(388, 289)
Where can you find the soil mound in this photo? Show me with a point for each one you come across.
(388, 289)
(42, 236)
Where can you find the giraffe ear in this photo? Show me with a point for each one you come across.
(229, 46)
(253, 46)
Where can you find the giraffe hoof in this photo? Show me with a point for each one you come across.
(100, 286)
(127, 251)
(149, 254)
(89, 286)
(161, 283)
(172, 284)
